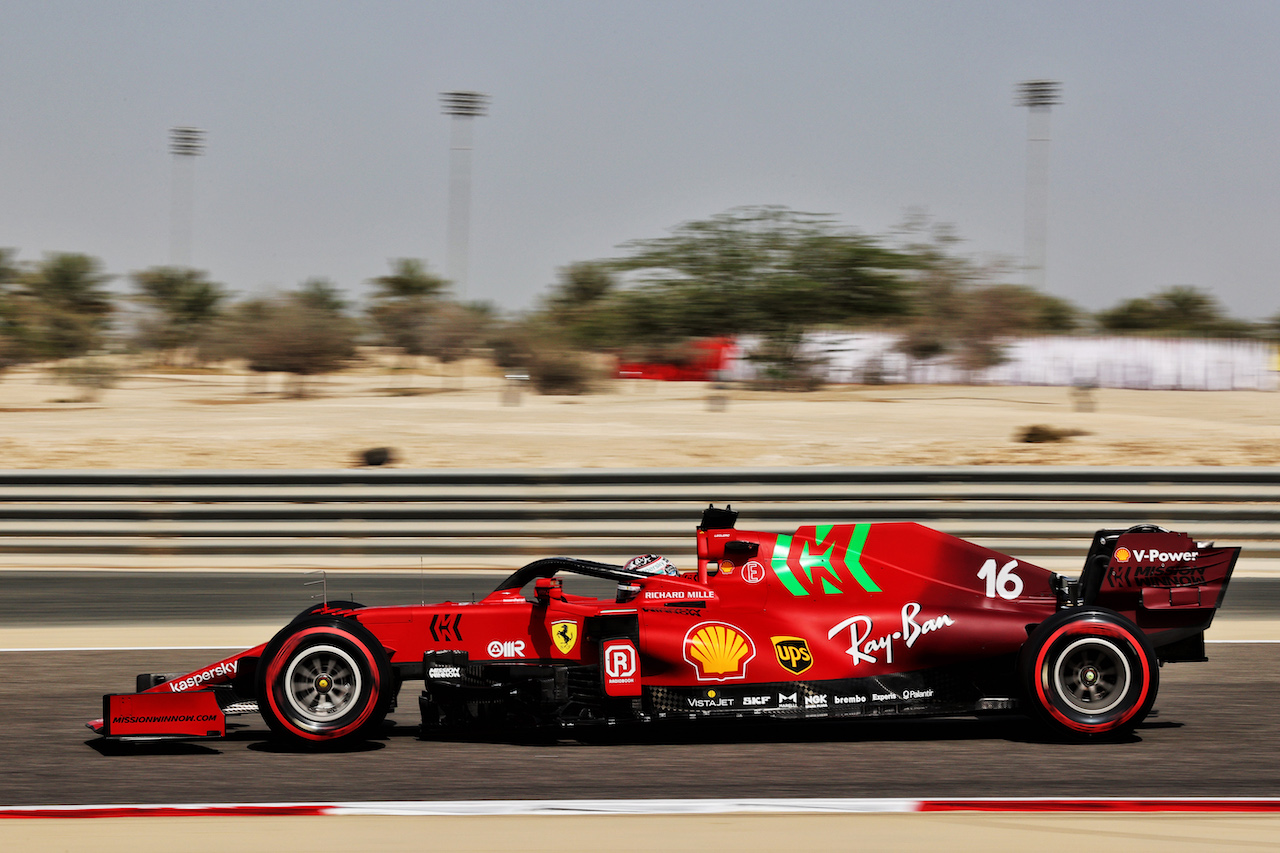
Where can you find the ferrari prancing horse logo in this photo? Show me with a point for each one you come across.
(565, 635)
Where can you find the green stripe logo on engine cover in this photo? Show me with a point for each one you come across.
(825, 559)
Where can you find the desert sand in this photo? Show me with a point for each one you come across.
(960, 832)
(471, 417)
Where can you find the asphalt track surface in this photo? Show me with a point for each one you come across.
(1215, 734)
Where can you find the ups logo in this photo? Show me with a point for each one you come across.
(793, 654)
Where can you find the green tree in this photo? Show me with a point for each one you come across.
(65, 307)
(1131, 315)
(1021, 310)
(778, 273)
(9, 271)
(323, 295)
(858, 278)
(574, 305)
(11, 332)
(287, 334)
(454, 330)
(181, 304)
(512, 341)
(708, 271)
(581, 284)
(787, 363)
(1269, 329)
(403, 302)
(755, 269)
(1174, 311)
(959, 308)
(939, 309)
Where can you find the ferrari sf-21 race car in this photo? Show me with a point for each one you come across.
(842, 620)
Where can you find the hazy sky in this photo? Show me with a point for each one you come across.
(610, 121)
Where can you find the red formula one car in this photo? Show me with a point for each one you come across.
(846, 620)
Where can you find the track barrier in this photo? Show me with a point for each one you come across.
(477, 518)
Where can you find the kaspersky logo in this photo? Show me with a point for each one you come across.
(823, 560)
(718, 651)
(220, 671)
(793, 654)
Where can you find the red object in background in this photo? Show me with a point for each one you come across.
(712, 356)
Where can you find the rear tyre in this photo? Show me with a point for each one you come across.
(324, 680)
(1089, 673)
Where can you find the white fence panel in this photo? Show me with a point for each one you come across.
(1186, 364)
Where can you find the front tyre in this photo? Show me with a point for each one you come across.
(323, 680)
(1089, 672)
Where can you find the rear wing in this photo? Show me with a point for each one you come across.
(1166, 582)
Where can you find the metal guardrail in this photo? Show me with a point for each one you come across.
(463, 518)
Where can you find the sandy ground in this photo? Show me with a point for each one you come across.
(978, 832)
(234, 421)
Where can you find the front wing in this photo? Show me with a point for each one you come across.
(193, 714)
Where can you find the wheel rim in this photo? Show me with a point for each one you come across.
(322, 684)
(1092, 675)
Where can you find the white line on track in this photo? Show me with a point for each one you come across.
(480, 807)
(798, 805)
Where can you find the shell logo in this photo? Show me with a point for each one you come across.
(718, 651)
(1122, 555)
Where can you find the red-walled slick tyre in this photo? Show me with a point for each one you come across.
(1089, 673)
(328, 607)
(324, 679)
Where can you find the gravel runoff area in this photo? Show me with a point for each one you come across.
(468, 416)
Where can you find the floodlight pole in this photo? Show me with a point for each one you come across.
(185, 144)
(1037, 96)
(463, 107)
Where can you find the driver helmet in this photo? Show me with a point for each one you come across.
(651, 564)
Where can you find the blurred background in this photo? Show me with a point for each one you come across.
(871, 261)
(671, 171)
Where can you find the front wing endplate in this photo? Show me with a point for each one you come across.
(191, 714)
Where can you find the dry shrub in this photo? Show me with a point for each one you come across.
(1042, 433)
(91, 375)
(785, 363)
(285, 335)
(561, 372)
